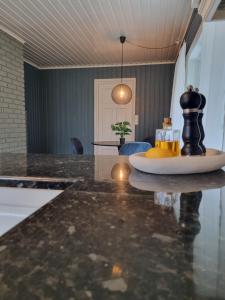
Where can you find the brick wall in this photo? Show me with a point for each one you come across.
(12, 100)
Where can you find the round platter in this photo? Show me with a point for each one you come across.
(213, 160)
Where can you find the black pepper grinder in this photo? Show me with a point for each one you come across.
(201, 107)
(192, 104)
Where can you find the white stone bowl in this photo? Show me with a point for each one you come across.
(213, 160)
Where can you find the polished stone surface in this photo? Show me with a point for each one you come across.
(114, 233)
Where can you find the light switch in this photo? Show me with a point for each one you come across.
(136, 120)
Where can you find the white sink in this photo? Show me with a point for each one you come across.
(16, 204)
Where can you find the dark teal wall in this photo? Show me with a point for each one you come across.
(66, 99)
(35, 110)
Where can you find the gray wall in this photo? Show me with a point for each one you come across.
(12, 100)
(63, 105)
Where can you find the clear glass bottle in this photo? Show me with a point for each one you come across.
(168, 138)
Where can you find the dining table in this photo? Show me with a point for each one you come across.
(108, 144)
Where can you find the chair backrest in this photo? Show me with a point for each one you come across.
(77, 146)
(134, 147)
(150, 140)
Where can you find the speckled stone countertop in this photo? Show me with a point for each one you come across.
(114, 233)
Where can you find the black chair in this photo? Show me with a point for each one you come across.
(77, 146)
(150, 140)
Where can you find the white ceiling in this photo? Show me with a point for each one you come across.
(85, 32)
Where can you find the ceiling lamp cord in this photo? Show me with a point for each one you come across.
(154, 48)
(122, 41)
(121, 93)
(122, 66)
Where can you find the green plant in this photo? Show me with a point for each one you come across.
(121, 128)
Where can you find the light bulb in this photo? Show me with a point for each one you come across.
(121, 175)
(121, 93)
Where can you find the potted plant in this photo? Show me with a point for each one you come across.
(122, 129)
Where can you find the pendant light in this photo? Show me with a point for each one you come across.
(121, 93)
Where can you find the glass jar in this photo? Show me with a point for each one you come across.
(168, 139)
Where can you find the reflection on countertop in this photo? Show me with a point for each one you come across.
(176, 183)
(116, 233)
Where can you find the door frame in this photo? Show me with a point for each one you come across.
(97, 83)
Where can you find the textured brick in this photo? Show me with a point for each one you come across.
(12, 100)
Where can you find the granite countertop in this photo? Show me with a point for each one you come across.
(114, 233)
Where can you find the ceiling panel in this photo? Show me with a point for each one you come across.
(86, 32)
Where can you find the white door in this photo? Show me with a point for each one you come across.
(107, 113)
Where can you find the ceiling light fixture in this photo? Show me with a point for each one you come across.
(121, 93)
